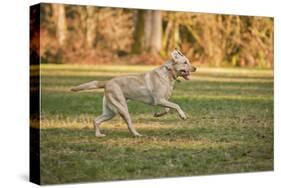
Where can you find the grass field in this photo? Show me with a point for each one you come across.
(230, 129)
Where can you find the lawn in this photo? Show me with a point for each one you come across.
(230, 129)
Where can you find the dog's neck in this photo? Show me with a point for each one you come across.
(166, 72)
(168, 66)
(172, 75)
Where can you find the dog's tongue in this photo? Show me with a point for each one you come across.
(185, 76)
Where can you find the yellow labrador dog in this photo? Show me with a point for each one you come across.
(154, 88)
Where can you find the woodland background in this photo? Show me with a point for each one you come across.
(99, 35)
(229, 98)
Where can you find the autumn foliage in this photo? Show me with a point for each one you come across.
(89, 34)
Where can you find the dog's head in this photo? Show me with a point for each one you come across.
(181, 65)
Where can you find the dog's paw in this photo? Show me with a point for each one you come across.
(137, 134)
(183, 116)
(100, 135)
(157, 114)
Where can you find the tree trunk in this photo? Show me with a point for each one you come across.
(148, 31)
(90, 26)
(156, 34)
(138, 43)
(59, 18)
(167, 35)
(148, 24)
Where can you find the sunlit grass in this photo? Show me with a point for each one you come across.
(142, 68)
(230, 129)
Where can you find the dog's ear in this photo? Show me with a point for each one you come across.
(178, 52)
(175, 55)
(169, 65)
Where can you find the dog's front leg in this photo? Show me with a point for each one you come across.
(168, 104)
(162, 113)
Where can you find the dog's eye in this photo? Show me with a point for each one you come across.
(185, 62)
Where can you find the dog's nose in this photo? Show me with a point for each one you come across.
(194, 68)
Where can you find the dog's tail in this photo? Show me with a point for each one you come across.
(89, 85)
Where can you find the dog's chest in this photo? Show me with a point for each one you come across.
(169, 89)
(162, 85)
(165, 88)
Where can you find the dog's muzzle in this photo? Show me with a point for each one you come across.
(185, 74)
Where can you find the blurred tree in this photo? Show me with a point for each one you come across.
(172, 37)
(138, 36)
(75, 33)
(59, 20)
(59, 17)
(156, 32)
(90, 26)
(147, 31)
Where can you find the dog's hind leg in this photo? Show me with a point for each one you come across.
(107, 114)
(120, 105)
(99, 120)
(126, 116)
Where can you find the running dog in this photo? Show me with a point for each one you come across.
(154, 88)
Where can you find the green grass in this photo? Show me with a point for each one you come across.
(230, 129)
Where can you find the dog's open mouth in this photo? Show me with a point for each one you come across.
(185, 74)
